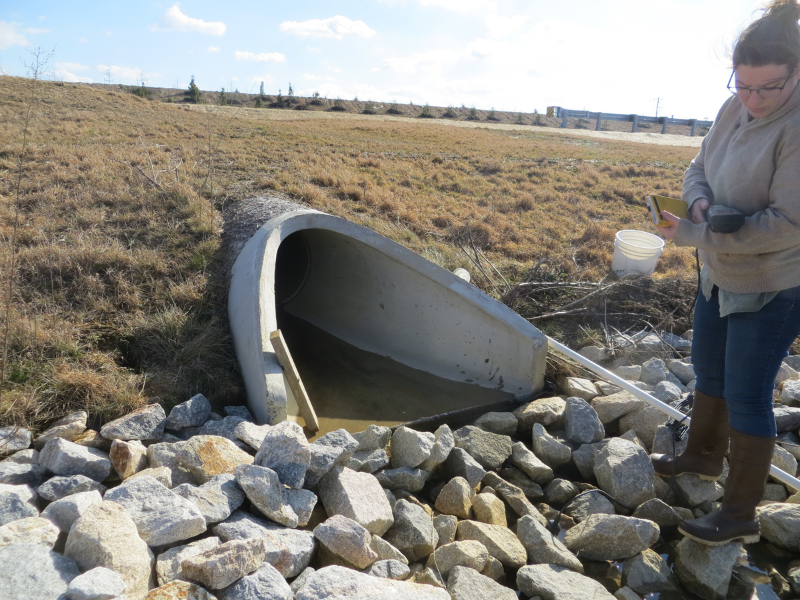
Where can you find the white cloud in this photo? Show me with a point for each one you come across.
(504, 26)
(175, 20)
(71, 66)
(459, 5)
(213, 49)
(264, 78)
(9, 36)
(125, 74)
(330, 66)
(432, 61)
(35, 31)
(82, 40)
(64, 72)
(333, 27)
(311, 77)
(261, 56)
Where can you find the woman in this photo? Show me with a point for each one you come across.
(748, 313)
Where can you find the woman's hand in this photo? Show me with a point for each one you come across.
(699, 208)
(669, 232)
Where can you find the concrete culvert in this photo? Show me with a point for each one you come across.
(378, 333)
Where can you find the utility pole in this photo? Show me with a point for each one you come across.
(658, 101)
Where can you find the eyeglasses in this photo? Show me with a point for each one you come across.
(764, 92)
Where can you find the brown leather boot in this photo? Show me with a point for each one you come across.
(750, 460)
(708, 441)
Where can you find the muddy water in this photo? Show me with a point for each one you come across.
(352, 389)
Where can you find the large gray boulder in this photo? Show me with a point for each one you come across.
(648, 573)
(358, 496)
(529, 463)
(143, 424)
(30, 530)
(465, 583)
(611, 537)
(341, 582)
(14, 438)
(455, 498)
(489, 449)
(460, 464)
(64, 512)
(546, 411)
(583, 424)
(192, 413)
(787, 418)
(167, 455)
(409, 447)
(251, 434)
(34, 572)
(374, 437)
(346, 541)
(552, 452)
(56, 488)
(169, 563)
(128, 458)
(696, 490)
(499, 541)
(413, 532)
(780, 524)
(288, 550)
(553, 582)
(96, 584)
(612, 407)
(220, 566)
(467, 553)
(501, 423)
(161, 516)
(513, 495)
(206, 456)
(624, 470)
(644, 422)
(653, 371)
(15, 473)
(62, 457)
(333, 448)
(285, 450)
(403, 478)
(215, 499)
(13, 508)
(543, 547)
(265, 491)
(106, 536)
(68, 427)
(226, 428)
(265, 583)
(706, 570)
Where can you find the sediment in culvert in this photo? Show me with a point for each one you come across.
(444, 514)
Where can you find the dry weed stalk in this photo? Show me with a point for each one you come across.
(38, 62)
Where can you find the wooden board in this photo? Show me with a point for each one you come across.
(293, 379)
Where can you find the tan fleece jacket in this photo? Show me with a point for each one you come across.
(753, 166)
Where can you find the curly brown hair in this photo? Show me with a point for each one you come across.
(772, 39)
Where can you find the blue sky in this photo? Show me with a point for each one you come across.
(609, 55)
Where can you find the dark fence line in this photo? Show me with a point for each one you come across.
(564, 114)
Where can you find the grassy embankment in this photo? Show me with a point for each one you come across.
(117, 297)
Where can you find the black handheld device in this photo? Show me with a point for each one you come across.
(724, 219)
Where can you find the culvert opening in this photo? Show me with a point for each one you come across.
(360, 329)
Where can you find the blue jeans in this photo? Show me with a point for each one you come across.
(738, 357)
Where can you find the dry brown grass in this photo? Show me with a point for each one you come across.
(119, 298)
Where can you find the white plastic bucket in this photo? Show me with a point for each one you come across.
(636, 252)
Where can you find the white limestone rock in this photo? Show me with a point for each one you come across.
(358, 496)
(34, 572)
(68, 427)
(340, 582)
(62, 457)
(553, 582)
(222, 565)
(143, 424)
(192, 413)
(96, 584)
(611, 537)
(285, 450)
(30, 530)
(161, 516)
(215, 499)
(106, 536)
(67, 510)
(265, 491)
(409, 447)
(168, 563)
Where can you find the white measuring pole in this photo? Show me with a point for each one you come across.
(777, 473)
